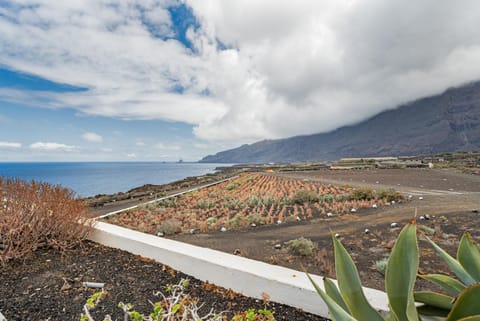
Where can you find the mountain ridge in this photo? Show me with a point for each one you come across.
(447, 122)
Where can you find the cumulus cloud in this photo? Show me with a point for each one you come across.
(10, 145)
(92, 137)
(253, 70)
(49, 146)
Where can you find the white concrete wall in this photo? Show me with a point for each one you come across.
(246, 276)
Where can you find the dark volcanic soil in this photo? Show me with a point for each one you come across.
(47, 286)
(451, 198)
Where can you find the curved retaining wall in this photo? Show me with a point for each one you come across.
(249, 277)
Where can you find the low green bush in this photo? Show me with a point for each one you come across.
(170, 227)
(391, 195)
(301, 246)
(232, 186)
(360, 194)
(304, 196)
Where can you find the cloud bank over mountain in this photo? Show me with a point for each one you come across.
(239, 71)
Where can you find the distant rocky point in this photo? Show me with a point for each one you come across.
(448, 122)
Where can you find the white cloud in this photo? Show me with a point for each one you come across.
(163, 146)
(10, 145)
(131, 155)
(201, 145)
(49, 146)
(304, 67)
(92, 137)
(140, 143)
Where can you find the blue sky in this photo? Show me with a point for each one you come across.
(28, 132)
(150, 80)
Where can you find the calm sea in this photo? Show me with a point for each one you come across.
(89, 179)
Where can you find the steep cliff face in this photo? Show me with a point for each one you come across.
(444, 123)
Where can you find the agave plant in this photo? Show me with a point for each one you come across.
(348, 302)
(467, 288)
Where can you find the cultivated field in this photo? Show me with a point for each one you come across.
(248, 201)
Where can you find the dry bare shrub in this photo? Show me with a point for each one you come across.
(34, 215)
(327, 266)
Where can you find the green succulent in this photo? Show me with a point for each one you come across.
(466, 267)
(347, 302)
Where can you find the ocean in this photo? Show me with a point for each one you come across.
(93, 178)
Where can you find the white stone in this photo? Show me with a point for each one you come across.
(223, 229)
(329, 214)
(249, 277)
(374, 206)
(420, 197)
(337, 235)
(353, 210)
(367, 231)
(392, 225)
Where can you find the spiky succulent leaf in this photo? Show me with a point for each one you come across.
(433, 299)
(456, 267)
(452, 286)
(471, 318)
(428, 310)
(469, 256)
(351, 287)
(401, 273)
(336, 311)
(467, 304)
(333, 292)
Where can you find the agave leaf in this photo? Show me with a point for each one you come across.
(456, 267)
(452, 286)
(350, 286)
(433, 299)
(428, 310)
(336, 311)
(332, 291)
(401, 273)
(467, 304)
(471, 318)
(469, 256)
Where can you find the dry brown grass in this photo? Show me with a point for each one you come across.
(34, 215)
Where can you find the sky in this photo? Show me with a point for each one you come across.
(160, 80)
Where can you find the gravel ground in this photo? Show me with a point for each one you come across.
(47, 286)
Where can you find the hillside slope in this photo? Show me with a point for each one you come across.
(443, 123)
